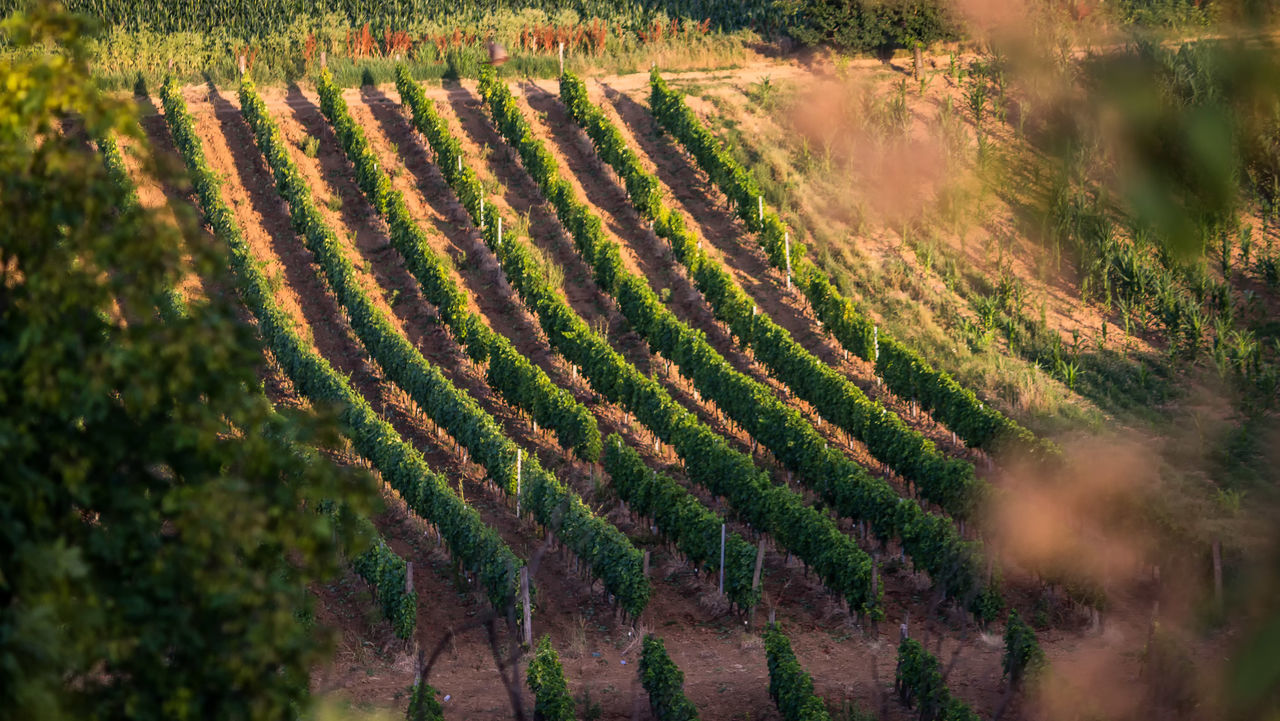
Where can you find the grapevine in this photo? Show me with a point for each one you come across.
(950, 483)
(918, 681)
(790, 686)
(931, 541)
(475, 545)
(709, 460)
(608, 552)
(681, 517)
(664, 682)
(904, 371)
(545, 676)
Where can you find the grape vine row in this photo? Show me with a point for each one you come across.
(680, 516)
(918, 681)
(477, 546)
(378, 565)
(708, 458)
(664, 682)
(790, 686)
(904, 371)
(603, 547)
(948, 482)
(545, 676)
(932, 542)
(508, 372)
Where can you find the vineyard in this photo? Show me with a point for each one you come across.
(671, 411)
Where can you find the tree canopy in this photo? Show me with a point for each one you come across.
(157, 525)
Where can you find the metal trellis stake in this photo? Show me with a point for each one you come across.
(722, 532)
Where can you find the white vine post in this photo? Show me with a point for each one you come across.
(722, 531)
(242, 65)
(324, 59)
(786, 240)
(460, 167)
(481, 204)
(562, 58)
(760, 208)
(519, 468)
(499, 231)
(524, 601)
(875, 340)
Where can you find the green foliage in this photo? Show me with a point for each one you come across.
(748, 402)
(680, 516)
(709, 460)
(545, 676)
(1023, 658)
(665, 683)
(275, 16)
(905, 373)
(378, 565)
(790, 686)
(516, 379)
(1164, 13)
(386, 573)
(423, 705)
(951, 483)
(477, 546)
(918, 681)
(867, 25)
(933, 543)
(554, 505)
(149, 498)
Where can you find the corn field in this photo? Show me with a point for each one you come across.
(265, 18)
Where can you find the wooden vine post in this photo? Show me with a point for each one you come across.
(524, 602)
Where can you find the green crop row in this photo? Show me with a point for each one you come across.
(918, 680)
(948, 482)
(386, 573)
(681, 517)
(379, 566)
(273, 16)
(709, 460)
(932, 542)
(903, 370)
(475, 545)
(611, 556)
(510, 373)
(790, 686)
(1023, 658)
(545, 676)
(664, 682)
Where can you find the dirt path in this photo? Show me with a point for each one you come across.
(161, 196)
